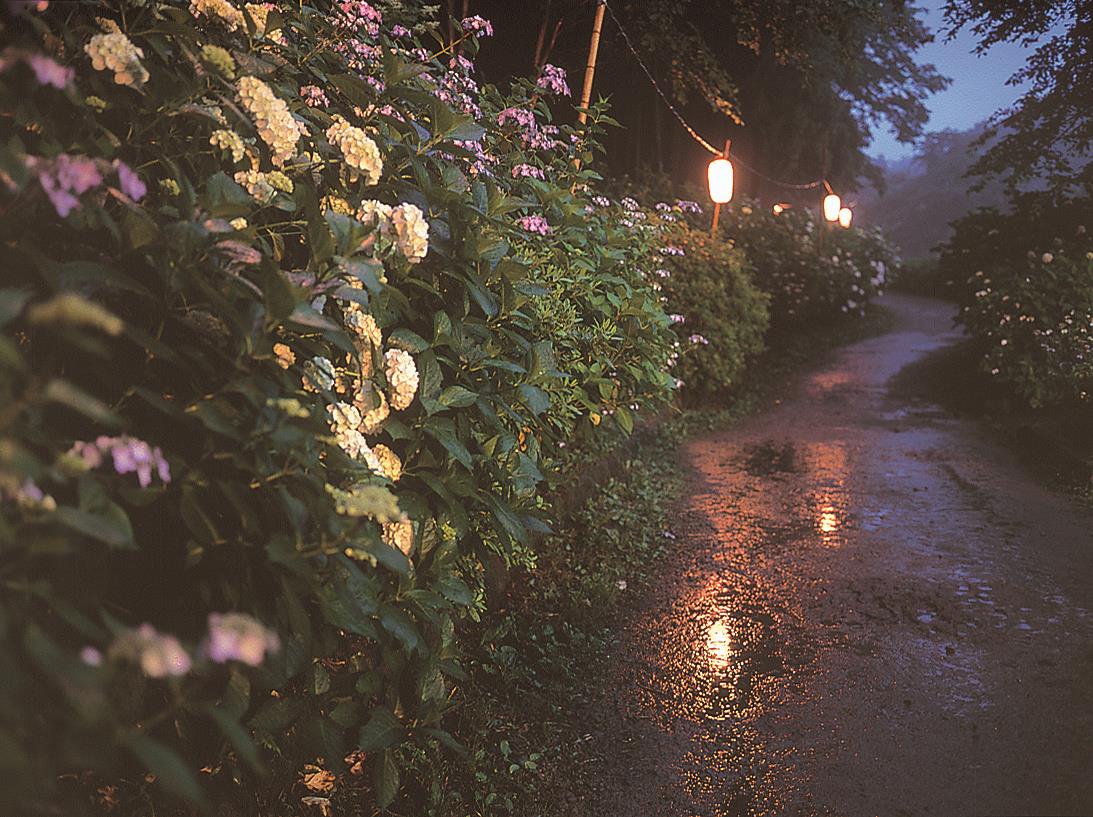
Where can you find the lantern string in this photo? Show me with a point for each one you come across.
(686, 125)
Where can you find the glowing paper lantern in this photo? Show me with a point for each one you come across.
(845, 215)
(720, 175)
(778, 209)
(832, 205)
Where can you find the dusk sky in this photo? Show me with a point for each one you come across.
(978, 88)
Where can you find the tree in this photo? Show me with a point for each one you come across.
(1048, 132)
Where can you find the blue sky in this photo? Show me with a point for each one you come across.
(978, 88)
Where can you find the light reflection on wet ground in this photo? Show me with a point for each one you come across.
(872, 611)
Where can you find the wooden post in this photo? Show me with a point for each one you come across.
(717, 207)
(593, 52)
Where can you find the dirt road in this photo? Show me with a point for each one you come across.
(873, 610)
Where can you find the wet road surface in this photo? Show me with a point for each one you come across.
(873, 610)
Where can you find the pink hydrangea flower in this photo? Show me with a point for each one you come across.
(478, 26)
(553, 80)
(128, 455)
(129, 181)
(536, 224)
(239, 637)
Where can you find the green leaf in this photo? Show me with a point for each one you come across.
(105, 528)
(382, 730)
(534, 398)
(444, 433)
(398, 624)
(73, 397)
(455, 590)
(237, 736)
(167, 766)
(457, 397)
(12, 302)
(410, 341)
(226, 198)
(278, 714)
(386, 779)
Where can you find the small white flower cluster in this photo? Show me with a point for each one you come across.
(257, 184)
(402, 378)
(220, 10)
(229, 142)
(115, 52)
(272, 118)
(405, 222)
(411, 231)
(360, 152)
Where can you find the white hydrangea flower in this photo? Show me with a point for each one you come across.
(411, 231)
(360, 152)
(343, 417)
(116, 52)
(399, 535)
(230, 142)
(220, 10)
(375, 214)
(364, 326)
(318, 374)
(272, 118)
(402, 378)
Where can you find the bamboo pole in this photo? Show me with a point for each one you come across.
(593, 52)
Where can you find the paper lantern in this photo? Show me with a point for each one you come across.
(720, 175)
(845, 215)
(832, 205)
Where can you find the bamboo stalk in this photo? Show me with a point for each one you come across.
(593, 53)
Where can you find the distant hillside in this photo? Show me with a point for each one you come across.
(922, 195)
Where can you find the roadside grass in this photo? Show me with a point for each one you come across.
(540, 659)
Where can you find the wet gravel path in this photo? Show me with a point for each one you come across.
(872, 611)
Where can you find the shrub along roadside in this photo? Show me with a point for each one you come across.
(274, 388)
(541, 661)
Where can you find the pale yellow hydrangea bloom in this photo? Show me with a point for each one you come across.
(411, 231)
(375, 214)
(360, 152)
(336, 204)
(285, 356)
(238, 223)
(115, 51)
(279, 181)
(390, 464)
(230, 142)
(399, 535)
(259, 13)
(372, 419)
(256, 184)
(402, 378)
(271, 118)
(219, 10)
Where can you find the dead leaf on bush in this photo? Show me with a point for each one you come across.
(322, 802)
(355, 761)
(318, 779)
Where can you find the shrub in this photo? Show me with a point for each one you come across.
(1026, 285)
(276, 381)
(811, 270)
(720, 315)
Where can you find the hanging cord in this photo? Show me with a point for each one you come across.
(687, 127)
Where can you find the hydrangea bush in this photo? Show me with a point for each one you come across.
(812, 270)
(720, 315)
(1025, 284)
(279, 373)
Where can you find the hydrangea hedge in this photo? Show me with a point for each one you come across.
(1025, 283)
(811, 270)
(280, 370)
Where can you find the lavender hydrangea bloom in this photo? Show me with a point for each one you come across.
(65, 178)
(128, 455)
(553, 80)
(478, 26)
(130, 182)
(239, 637)
(158, 655)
